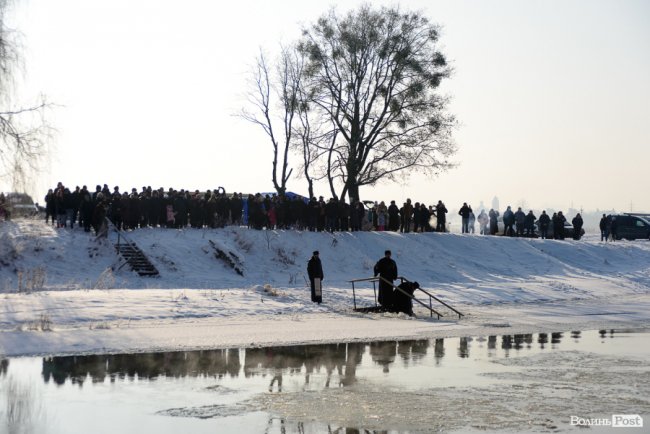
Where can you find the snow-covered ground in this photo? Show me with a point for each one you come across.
(60, 295)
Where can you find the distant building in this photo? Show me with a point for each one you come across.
(495, 203)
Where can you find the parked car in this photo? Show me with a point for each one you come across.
(568, 230)
(18, 205)
(632, 227)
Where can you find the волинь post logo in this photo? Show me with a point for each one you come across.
(616, 421)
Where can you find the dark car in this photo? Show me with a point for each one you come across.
(631, 227)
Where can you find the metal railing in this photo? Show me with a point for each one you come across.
(431, 297)
(110, 227)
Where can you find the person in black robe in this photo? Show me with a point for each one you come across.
(315, 270)
(386, 268)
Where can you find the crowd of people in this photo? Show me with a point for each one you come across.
(215, 208)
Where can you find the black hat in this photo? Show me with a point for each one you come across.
(315, 253)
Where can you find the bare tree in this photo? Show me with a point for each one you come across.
(315, 140)
(375, 74)
(277, 93)
(23, 130)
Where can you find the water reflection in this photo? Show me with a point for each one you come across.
(542, 340)
(275, 387)
(383, 353)
(331, 362)
(439, 350)
(217, 363)
(463, 348)
(284, 426)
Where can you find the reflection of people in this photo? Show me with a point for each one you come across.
(315, 273)
(276, 378)
(439, 350)
(386, 268)
(383, 353)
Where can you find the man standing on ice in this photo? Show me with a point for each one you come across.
(386, 268)
(315, 273)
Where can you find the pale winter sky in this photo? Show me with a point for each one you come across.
(553, 97)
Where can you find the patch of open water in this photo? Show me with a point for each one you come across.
(530, 382)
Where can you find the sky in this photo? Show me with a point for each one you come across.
(552, 97)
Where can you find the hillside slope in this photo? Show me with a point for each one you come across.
(468, 268)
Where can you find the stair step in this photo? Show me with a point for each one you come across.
(136, 259)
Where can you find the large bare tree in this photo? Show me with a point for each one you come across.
(375, 75)
(23, 130)
(275, 101)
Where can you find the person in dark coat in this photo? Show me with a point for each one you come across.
(558, 225)
(331, 214)
(577, 226)
(494, 221)
(425, 226)
(314, 271)
(49, 206)
(464, 213)
(544, 221)
(604, 232)
(406, 214)
(441, 212)
(401, 301)
(613, 228)
(561, 220)
(393, 217)
(416, 216)
(508, 222)
(386, 268)
(529, 223)
(520, 220)
(87, 208)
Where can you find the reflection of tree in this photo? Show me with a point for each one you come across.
(4, 365)
(576, 335)
(383, 353)
(151, 365)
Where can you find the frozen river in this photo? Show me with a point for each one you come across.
(531, 382)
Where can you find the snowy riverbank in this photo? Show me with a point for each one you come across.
(503, 286)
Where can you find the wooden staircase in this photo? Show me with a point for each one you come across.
(136, 259)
